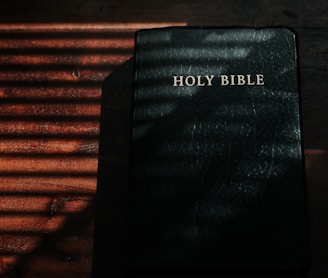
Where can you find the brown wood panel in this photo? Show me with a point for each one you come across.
(207, 12)
(54, 59)
(50, 78)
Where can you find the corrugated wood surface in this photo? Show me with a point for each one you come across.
(54, 59)
(49, 120)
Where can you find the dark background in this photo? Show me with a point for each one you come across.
(54, 60)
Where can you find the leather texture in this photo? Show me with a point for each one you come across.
(217, 176)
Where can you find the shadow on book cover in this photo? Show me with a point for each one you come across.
(217, 183)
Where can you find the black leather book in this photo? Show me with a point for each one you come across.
(217, 174)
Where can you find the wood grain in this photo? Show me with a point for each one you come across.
(55, 57)
(49, 118)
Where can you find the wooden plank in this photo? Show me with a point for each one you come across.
(28, 212)
(43, 165)
(49, 110)
(48, 183)
(49, 146)
(53, 93)
(219, 13)
(13, 128)
(50, 107)
(313, 81)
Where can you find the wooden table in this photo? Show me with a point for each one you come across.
(55, 59)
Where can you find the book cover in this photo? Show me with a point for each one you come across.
(217, 176)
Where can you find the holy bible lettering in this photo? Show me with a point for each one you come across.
(223, 80)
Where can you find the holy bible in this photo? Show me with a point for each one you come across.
(217, 181)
